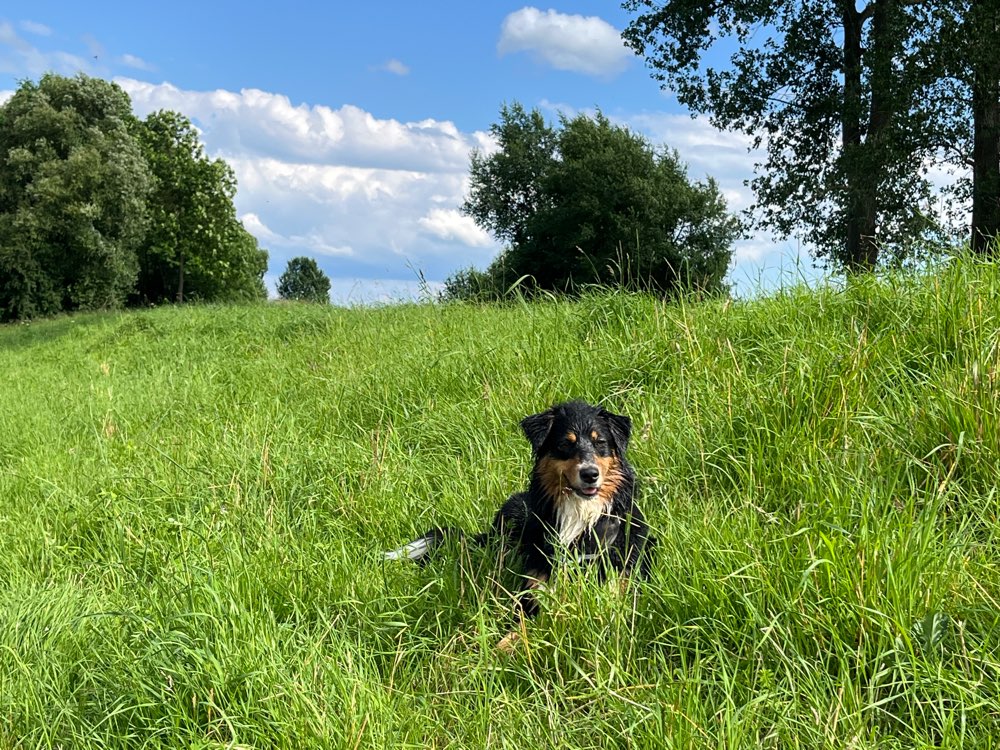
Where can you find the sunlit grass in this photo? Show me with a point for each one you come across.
(193, 505)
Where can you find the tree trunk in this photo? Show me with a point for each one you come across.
(986, 130)
(180, 280)
(865, 145)
(883, 90)
(850, 132)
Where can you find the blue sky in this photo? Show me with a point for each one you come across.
(350, 125)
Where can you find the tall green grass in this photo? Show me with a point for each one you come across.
(194, 502)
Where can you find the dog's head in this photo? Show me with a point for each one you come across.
(578, 449)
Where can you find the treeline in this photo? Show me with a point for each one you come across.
(100, 209)
(854, 103)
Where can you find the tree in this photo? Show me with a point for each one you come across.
(508, 184)
(983, 29)
(830, 89)
(304, 280)
(595, 204)
(73, 189)
(964, 82)
(196, 247)
(92, 199)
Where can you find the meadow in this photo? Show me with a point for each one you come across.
(194, 503)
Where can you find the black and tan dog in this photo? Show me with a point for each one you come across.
(579, 503)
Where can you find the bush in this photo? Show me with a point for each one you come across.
(592, 203)
(303, 280)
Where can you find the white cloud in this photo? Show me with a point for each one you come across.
(367, 197)
(708, 152)
(38, 29)
(267, 124)
(132, 61)
(5, 95)
(759, 261)
(372, 197)
(584, 44)
(452, 224)
(313, 243)
(382, 291)
(395, 67)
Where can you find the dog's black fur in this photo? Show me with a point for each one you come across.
(580, 502)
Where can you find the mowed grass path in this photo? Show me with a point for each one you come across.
(194, 502)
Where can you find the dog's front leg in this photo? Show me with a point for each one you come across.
(526, 606)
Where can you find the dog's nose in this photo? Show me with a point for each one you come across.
(589, 474)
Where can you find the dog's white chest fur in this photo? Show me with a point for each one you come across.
(575, 517)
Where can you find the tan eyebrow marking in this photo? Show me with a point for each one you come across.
(571, 436)
(594, 435)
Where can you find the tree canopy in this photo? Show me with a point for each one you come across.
(846, 97)
(195, 248)
(590, 202)
(305, 281)
(73, 197)
(98, 209)
(959, 50)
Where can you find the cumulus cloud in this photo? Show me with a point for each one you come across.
(452, 224)
(367, 197)
(726, 155)
(584, 44)
(268, 124)
(759, 261)
(378, 198)
(313, 243)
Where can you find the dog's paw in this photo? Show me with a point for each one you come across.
(508, 644)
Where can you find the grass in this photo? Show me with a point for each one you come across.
(193, 505)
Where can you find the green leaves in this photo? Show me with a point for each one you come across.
(304, 280)
(73, 190)
(97, 208)
(832, 90)
(196, 247)
(592, 203)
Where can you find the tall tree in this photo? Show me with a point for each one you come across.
(981, 27)
(596, 204)
(73, 189)
(827, 87)
(507, 184)
(305, 281)
(196, 246)
(960, 91)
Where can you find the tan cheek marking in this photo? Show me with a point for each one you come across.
(552, 473)
(611, 471)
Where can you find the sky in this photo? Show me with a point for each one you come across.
(349, 125)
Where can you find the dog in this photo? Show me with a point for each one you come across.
(580, 503)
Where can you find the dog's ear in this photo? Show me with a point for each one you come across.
(621, 429)
(536, 428)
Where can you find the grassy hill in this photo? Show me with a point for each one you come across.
(194, 502)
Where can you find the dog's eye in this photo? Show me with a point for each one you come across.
(601, 443)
